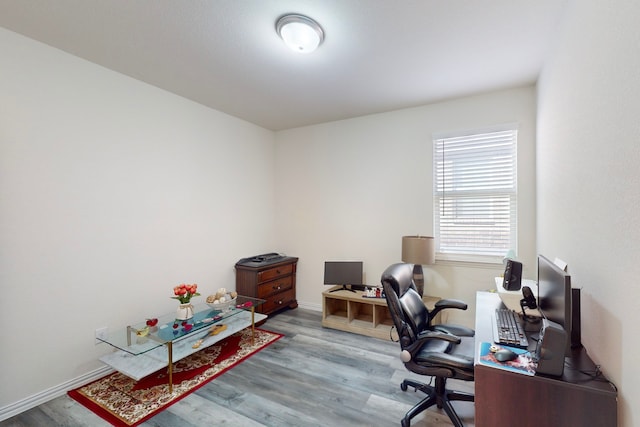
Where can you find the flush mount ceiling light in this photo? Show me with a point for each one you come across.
(301, 33)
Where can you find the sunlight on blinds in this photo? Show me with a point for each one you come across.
(475, 197)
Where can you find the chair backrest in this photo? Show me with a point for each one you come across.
(410, 315)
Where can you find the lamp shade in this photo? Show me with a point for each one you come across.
(418, 250)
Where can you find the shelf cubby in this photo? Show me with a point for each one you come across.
(352, 312)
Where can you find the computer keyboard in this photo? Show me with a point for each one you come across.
(507, 329)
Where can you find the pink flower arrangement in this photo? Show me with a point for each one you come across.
(183, 293)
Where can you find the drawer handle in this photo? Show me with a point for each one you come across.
(280, 302)
(276, 288)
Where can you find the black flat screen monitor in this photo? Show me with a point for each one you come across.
(554, 295)
(347, 274)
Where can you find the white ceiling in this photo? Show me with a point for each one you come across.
(378, 55)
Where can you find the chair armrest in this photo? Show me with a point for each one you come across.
(410, 351)
(437, 335)
(451, 303)
(425, 336)
(448, 303)
(458, 330)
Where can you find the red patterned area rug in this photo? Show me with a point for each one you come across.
(125, 402)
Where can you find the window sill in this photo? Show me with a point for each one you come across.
(471, 261)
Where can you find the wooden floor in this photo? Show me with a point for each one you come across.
(313, 376)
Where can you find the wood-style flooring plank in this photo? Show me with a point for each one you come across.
(312, 376)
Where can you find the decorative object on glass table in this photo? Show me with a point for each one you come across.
(184, 312)
(184, 293)
(143, 332)
(216, 329)
(222, 300)
(246, 304)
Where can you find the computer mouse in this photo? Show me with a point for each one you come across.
(505, 355)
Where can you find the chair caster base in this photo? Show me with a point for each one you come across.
(437, 396)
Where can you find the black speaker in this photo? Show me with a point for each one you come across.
(512, 276)
(576, 339)
(551, 348)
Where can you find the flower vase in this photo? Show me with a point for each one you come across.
(185, 311)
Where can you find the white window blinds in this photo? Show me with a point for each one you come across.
(475, 197)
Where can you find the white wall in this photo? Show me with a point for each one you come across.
(349, 190)
(589, 184)
(111, 193)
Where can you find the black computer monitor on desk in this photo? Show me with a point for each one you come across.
(348, 274)
(554, 296)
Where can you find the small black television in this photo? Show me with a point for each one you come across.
(348, 274)
(554, 296)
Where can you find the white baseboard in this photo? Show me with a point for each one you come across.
(310, 306)
(51, 393)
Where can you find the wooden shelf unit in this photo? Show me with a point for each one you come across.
(350, 311)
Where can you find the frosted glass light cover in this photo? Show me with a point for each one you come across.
(300, 33)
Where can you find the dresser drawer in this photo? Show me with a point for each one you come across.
(278, 301)
(265, 290)
(272, 273)
(273, 282)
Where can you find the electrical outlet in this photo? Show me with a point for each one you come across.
(102, 334)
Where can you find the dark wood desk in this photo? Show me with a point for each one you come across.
(508, 399)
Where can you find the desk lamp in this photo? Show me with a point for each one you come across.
(419, 251)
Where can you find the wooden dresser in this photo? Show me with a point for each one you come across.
(273, 281)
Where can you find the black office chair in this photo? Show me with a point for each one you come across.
(443, 304)
(427, 349)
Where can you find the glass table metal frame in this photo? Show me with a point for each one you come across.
(140, 346)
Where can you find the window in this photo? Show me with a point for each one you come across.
(475, 195)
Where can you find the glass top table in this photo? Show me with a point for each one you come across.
(139, 344)
(135, 341)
